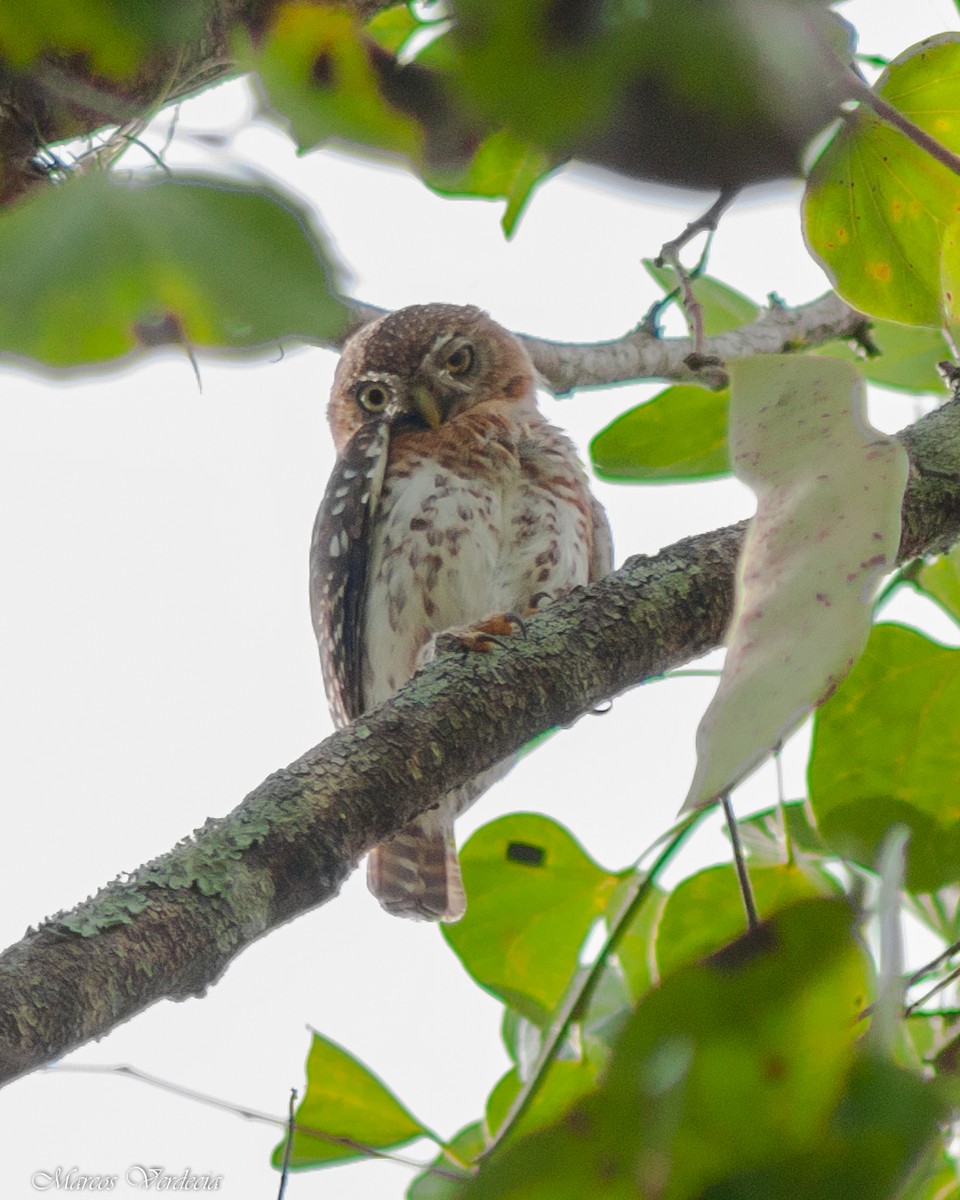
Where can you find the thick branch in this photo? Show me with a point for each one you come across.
(171, 929)
(640, 354)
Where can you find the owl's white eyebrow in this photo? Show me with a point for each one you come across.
(378, 377)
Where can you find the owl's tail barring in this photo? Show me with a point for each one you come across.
(416, 874)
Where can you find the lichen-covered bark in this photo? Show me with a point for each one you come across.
(170, 931)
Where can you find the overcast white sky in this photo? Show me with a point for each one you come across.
(157, 661)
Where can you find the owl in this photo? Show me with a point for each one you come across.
(452, 499)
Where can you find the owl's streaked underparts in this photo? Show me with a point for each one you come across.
(452, 499)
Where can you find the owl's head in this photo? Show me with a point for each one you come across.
(423, 365)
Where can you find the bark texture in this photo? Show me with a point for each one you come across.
(565, 367)
(170, 930)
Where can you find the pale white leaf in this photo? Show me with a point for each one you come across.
(829, 488)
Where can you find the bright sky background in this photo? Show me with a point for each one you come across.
(157, 661)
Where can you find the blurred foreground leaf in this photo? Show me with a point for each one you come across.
(98, 266)
(737, 1079)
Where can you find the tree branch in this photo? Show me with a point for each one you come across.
(640, 355)
(170, 930)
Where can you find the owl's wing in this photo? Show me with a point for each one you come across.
(601, 560)
(339, 558)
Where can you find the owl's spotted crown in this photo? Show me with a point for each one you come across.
(456, 353)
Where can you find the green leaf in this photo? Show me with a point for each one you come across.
(317, 72)
(504, 167)
(680, 434)
(763, 835)
(940, 579)
(565, 1083)
(435, 1183)
(877, 206)
(705, 911)
(534, 894)
(886, 1122)
(97, 267)
(908, 357)
(345, 1101)
(829, 489)
(886, 752)
(950, 279)
(392, 27)
(114, 35)
(724, 308)
(742, 1063)
(635, 949)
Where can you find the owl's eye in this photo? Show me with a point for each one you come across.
(461, 360)
(373, 396)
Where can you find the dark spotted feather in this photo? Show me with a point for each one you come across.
(339, 557)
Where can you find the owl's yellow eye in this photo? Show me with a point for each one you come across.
(373, 396)
(461, 360)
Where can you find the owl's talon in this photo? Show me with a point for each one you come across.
(484, 634)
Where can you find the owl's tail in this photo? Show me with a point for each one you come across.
(416, 874)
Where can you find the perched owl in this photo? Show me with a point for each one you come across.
(452, 499)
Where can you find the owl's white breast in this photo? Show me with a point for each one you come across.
(481, 517)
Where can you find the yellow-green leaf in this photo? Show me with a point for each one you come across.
(877, 206)
(680, 434)
(348, 1104)
(534, 894)
(705, 911)
(941, 580)
(317, 72)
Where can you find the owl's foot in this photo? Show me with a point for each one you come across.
(484, 634)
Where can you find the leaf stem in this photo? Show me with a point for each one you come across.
(746, 888)
(886, 112)
(582, 987)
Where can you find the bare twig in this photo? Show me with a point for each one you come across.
(124, 1070)
(670, 254)
(288, 1146)
(640, 354)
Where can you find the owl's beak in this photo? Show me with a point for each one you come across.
(426, 404)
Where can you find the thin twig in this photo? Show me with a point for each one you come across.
(288, 1146)
(923, 972)
(670, 254)
(249, 1114)
(746, 888)
(942, 983)
(579, 992)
